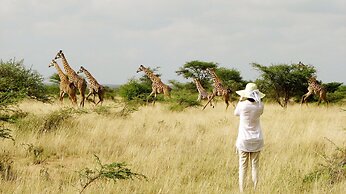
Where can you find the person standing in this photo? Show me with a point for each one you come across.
(250, 138)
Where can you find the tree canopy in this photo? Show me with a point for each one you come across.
(231, 78)
(196, 69)
(18, 82)
(284, 81)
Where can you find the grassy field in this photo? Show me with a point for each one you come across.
(179, 152)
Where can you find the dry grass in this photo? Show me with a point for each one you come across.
(180, 152)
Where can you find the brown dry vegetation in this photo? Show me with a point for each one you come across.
(180, 152)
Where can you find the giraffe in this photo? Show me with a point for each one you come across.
(315, 88)
(94, 86)
(79, 82)
(157, 86)
(219, 89)
(202, 93)
(66, 87)
(301, 65)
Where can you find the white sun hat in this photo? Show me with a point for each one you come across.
(251, 91)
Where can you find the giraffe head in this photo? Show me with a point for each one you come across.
(301, 64)
(59, 55)
(210, 70)
(312, 79)
(195, 80)
(81, 69)
(51, 64)
(141, 68)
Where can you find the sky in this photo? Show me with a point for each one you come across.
(111, 38)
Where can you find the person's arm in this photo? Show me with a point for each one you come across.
(237, 109)
(262, 107)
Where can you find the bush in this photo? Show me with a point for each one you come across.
(17, 82)
(113, 171)
(182, 100)
(110, 93)
(134, 90)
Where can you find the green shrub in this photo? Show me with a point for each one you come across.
(134, 90)
(182, 100)
(113, 171)
(110, 93)
(55, 119)
(53, 90)
(18, 82)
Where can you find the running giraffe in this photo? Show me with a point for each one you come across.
(79, 82)
(157, 86)
(66, 87)
(202, 93)
(219, 89)
(317, 89)
(94, 86)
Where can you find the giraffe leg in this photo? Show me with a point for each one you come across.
(198, 98)
(73, 98)
(226, 97)
(82, 97)
(211, 101)
(304, 97)
(155, 95)
(91, 92)
(61, 96)
(211, 98)
(100, 94)
(152, 92)
(88, 95)
(319, 101)
(72, 93)
(323, 96)
(82, 89)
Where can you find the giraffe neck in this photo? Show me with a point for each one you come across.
(215, 78)
(199, 86)
(69, 71)
(90, 77)
(151, 76)
(61, 74)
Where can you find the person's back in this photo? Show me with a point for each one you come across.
(250, 139)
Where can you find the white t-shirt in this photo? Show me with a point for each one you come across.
(250, 137)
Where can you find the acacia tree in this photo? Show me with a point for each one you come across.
(231, 78)
(283, 81)
(196, 69)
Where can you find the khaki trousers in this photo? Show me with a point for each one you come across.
(244, 159)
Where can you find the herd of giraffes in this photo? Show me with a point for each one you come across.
(71, 82)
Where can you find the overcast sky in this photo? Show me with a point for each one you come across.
(111, 38)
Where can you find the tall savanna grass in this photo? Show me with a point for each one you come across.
(190, 151)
